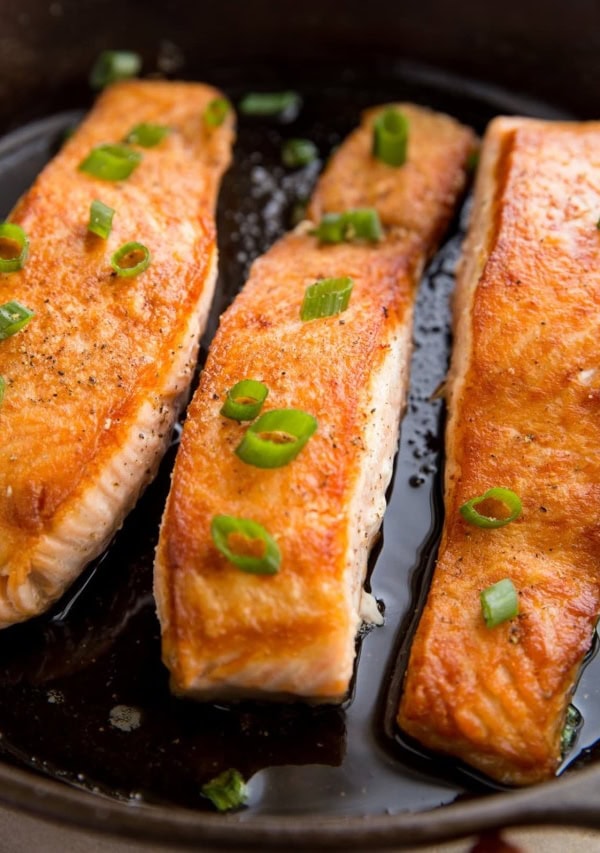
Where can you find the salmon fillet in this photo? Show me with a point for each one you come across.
(292, 634)
(524, 413)
(95, 380)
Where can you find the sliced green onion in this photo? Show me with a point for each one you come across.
(276, 438)
(573, 721)
(14, 247)
(147, 134)
(298, 211)
(13, 317)
(111, 162)
(331, 228)
(499, 602)
(362, 223)
(113, 65)
(131, 259)
(216, 112)
(326, 297)
(359, 223)
(246, 544)
(298, 152)
(286, 105)
(101, 217)
(226, 791)
(390, 137)
(2, 388)
(499, 495)
(472, 162)
(244, 400)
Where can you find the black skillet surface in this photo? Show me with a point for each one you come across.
(84, 695)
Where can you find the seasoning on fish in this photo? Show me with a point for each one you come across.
(524, 416)
(94, 381)
(308, 524)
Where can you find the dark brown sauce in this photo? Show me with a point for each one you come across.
(85, 697)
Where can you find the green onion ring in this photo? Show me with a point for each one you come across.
(390, 137)
(296, 153)
(276, 438)
(505, 496)
(147, 134)
(223, 527)
(113, 65)
(111, 162)
(360, 223)
(13, 317)
(331, 228)
(499, 603)
(286, 105)
(244, 400)
(2, 388)
(226, 791)
(573, 721)
(14, 234)
(130, 249)
(326, 297)
(216, 112)
(101, 217)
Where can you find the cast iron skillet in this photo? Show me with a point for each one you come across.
(100, 643)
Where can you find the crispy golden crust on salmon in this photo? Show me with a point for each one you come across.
(524, 413)
(292, 634)
(94, 382)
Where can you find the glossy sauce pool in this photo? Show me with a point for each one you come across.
(85, 697)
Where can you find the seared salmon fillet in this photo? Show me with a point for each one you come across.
(524, 414)
(96, 378)
(227, 633)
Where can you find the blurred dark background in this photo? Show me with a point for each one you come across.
(548, 50)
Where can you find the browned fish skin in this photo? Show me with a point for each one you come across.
(524, 413)
(293, 634)
(95, 380)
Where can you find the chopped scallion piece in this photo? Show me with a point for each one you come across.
(13, 317)
(101, 217)
(298, 152)
(2, 388)
(505, 497)
(226, 791)
(326, 297)
(298, 211)
(499, 602)
(359, 223)
(390, 137)
(276, 438)
(113, 65)
(331, 228)
(573, 721)
(216, 112)
(14, 247)
(286, 105)
(245, 400)
(246, 544)
(131, 259)
(111, 162)
(147, 134)
(472, 162)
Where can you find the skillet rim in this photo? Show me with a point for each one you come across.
(569, 801)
